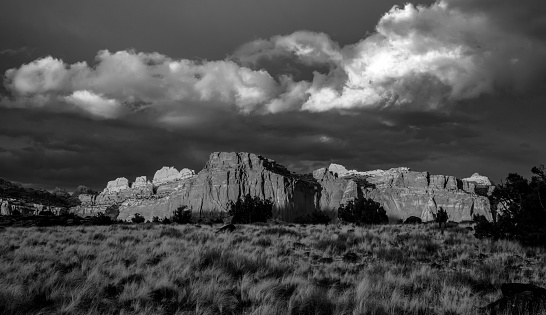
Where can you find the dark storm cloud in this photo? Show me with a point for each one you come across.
(527, 17)
(22, 50)
(437, 88)
(67, 150)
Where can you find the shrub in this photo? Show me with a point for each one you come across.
(363, 211)
(441, 216)
(181, 215)
(137, 218)
(101, 219)
(166, 221)
(250, 209)
(155, 220)
(518, 209)
(316, 217)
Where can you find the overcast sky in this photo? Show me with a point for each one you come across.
(95, 90)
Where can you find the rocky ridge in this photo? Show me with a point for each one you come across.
(404, 193)
(228, 176)
(14, 198)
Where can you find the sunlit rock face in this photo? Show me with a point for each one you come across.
(171, 174)
(117, 185)
(227, 177)
(478, 179)
(140, 182)
(121, 192)
(403, 193)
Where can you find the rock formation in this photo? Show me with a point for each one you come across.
(171, 174)
(403, 193)
(14, 198)
(226, 177)
(229, 176)
(478, 179)
(140, 182)
(117, 185)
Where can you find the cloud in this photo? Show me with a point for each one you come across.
(308, 47)
(12, 52)
(128, 77)
(95, 104)
(419, 58)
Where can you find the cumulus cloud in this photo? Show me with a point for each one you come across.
(308, 47)
(429, 57)
(95, 104)
(130, 77)
(420, 57)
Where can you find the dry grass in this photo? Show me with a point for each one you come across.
(154, 269)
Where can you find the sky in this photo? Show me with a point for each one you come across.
(95, 90)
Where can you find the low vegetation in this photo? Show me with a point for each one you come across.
(250, 209)
(257, 269)
(362, 211)
(518, 206)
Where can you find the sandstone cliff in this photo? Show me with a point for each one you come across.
(403, 193)
(14, 198)
(228, 176)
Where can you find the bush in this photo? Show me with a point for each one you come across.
(166, 221)
(250, 209)
(316, 217)
(155, 220)
(137, 218)
(518, 210)
(363, 211)
(441, 216)
(181, 215)
(101, 219)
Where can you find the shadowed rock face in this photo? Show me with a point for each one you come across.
(27, 201)
(228, 176)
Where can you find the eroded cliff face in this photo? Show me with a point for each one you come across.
(14, 198)
(226, 177)
(404, 193)
(229, 176)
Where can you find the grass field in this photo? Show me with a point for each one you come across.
(278, 269)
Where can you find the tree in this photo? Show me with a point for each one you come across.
(517, 206)
(101, 219)
(363, 211)
(181, 215)
(441, 218)
(250, 209)
(137, 218)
